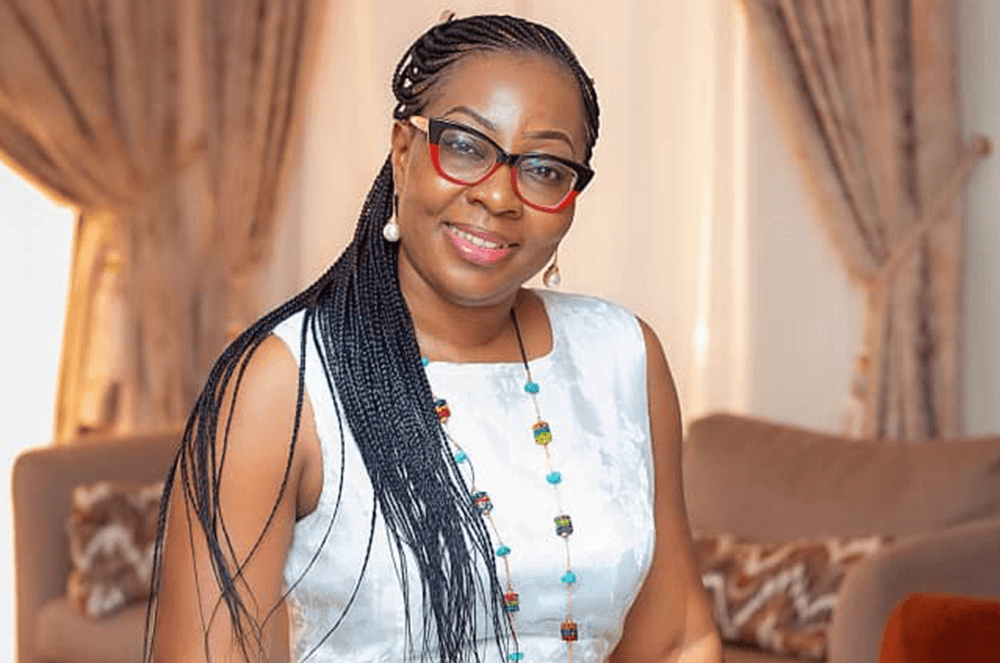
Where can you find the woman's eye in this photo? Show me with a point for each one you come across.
(544, 171)
(462, 145)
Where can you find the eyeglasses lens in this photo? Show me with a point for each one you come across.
(467, 158)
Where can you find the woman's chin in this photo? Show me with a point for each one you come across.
(477, 287)
(464, 282)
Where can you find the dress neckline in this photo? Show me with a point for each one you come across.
(555, 330)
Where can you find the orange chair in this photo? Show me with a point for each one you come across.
(935, 628)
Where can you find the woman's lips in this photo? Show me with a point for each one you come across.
(477, 247)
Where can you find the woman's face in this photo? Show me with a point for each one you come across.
(525, 102)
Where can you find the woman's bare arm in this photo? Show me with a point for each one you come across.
(255, 463)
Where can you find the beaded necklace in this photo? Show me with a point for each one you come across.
(542, 435)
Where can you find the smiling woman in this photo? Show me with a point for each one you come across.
(417, 457)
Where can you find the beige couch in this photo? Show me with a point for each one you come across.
(49, 629)
(754, 478)
(771, 482)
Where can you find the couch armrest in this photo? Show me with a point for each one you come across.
(960, 560)
(42, 483)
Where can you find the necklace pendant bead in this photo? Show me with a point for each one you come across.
(564, 526)
(425, 361)
(512, 601)
(554, 478)
(461, 457)
(482, 502)
(516, 656)
(568, 578)
(542, 432)
(503, 551)
(531, 387)
(442, 409)
(569, 631)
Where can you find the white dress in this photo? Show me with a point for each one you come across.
(593, 394)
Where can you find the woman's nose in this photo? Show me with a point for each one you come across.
(497, 193)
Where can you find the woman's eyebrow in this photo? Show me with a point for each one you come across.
(465, 110)
(551, 134)
(544, 134)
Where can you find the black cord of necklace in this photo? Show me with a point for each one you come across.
(520, 344)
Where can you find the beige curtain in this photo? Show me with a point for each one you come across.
(171, 127)
(91, 360)
(868, 94)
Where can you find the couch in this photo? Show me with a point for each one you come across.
(755, 478)
(771, 482)
(49, 629)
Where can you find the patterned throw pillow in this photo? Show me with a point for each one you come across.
(112, 532)
(778, 597)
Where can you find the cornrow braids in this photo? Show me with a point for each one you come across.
(421, 66)
(357, 319)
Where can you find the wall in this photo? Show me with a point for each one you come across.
(35, 242)
(805, 318)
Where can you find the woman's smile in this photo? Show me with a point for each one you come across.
(478, 246)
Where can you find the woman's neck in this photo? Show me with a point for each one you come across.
(447, 331)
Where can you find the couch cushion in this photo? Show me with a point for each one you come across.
(772, 482)
(777, 597)
(66, 636)
(939, 628)
(112, 533)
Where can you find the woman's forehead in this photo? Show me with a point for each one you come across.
(514, 91)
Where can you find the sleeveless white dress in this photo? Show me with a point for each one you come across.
(593, 394)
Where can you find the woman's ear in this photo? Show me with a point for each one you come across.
(402, 139)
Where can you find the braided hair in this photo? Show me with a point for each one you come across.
(364, 335)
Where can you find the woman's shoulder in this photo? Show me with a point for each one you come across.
(576, 300)
(593, 313)
(266, 390)
(596, 330)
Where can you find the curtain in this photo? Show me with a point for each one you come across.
(867, 93)
(171, 127)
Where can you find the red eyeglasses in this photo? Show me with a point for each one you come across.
(465, 156)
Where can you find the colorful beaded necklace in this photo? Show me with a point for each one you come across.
(542, 435)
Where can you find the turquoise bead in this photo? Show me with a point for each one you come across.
(503, 551)
(425, 361)
(554, 478)
(516, 656)
(461, 457)
(569, 578)
(531, 387)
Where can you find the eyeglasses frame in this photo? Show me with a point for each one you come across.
(434, 127)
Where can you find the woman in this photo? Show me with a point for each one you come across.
(475, 470)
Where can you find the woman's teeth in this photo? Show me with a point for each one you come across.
(478, 241)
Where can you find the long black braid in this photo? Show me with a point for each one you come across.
(357, 318)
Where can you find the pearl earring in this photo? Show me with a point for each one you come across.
(551, 277)
(390, 231)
